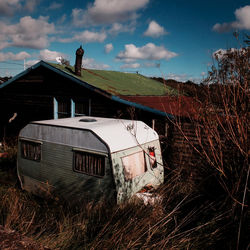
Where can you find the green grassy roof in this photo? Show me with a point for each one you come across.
(120, 83)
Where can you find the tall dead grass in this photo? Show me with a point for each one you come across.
(178, 221)
(222, 135)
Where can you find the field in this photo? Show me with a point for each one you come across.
(188, 217)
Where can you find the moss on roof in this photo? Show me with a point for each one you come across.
(120, 83)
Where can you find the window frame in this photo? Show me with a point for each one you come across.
(34, 142)
(71, 102)
(65, 105)
(92, 153)
(81, 101)
(62, 101)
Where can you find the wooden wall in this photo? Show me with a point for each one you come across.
(31, 97)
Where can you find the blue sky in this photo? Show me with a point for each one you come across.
(171, 39)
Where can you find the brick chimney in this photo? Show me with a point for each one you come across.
(78, 63)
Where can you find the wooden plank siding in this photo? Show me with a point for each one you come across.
(31, 97)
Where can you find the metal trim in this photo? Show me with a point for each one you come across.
(30, 140)
(90, 151)
(140, 106)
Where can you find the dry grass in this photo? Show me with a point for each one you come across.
(178, 222)
(222, 135)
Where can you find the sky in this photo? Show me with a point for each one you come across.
(157, 38)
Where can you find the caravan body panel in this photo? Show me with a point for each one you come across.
(88, 158)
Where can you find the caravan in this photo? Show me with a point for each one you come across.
(89, 158)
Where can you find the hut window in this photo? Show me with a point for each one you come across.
(62, 108)
(134, 165)
(81, 107)
(65, 107)
(89, 163)
(31, 150)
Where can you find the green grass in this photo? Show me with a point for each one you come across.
(120, 83)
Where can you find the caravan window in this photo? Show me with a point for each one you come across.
(89, 163)
(31, 150)
(134, 165)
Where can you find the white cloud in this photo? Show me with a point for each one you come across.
(225, 27)
(29, 32)
(3, 44)
(15, 57)
(178, 77)
(117, 28)
(140, 65)
(48, 55)
(131, 66)
(8, 7)
(79, 17)
(29, 63)
(86, 37)
(30, 5)
(92, 64)
(242, 21)
(62, 19)
(107, 12)
(148, 52)
(183, 78)
(243, 18)
(125, 60)
(155, 30)
(151, 65)
(108, 47)
(55, 6)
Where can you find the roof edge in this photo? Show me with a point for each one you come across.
(60, 72)
(23, 73)
(140, 106)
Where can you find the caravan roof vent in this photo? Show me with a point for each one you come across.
(87, 120)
